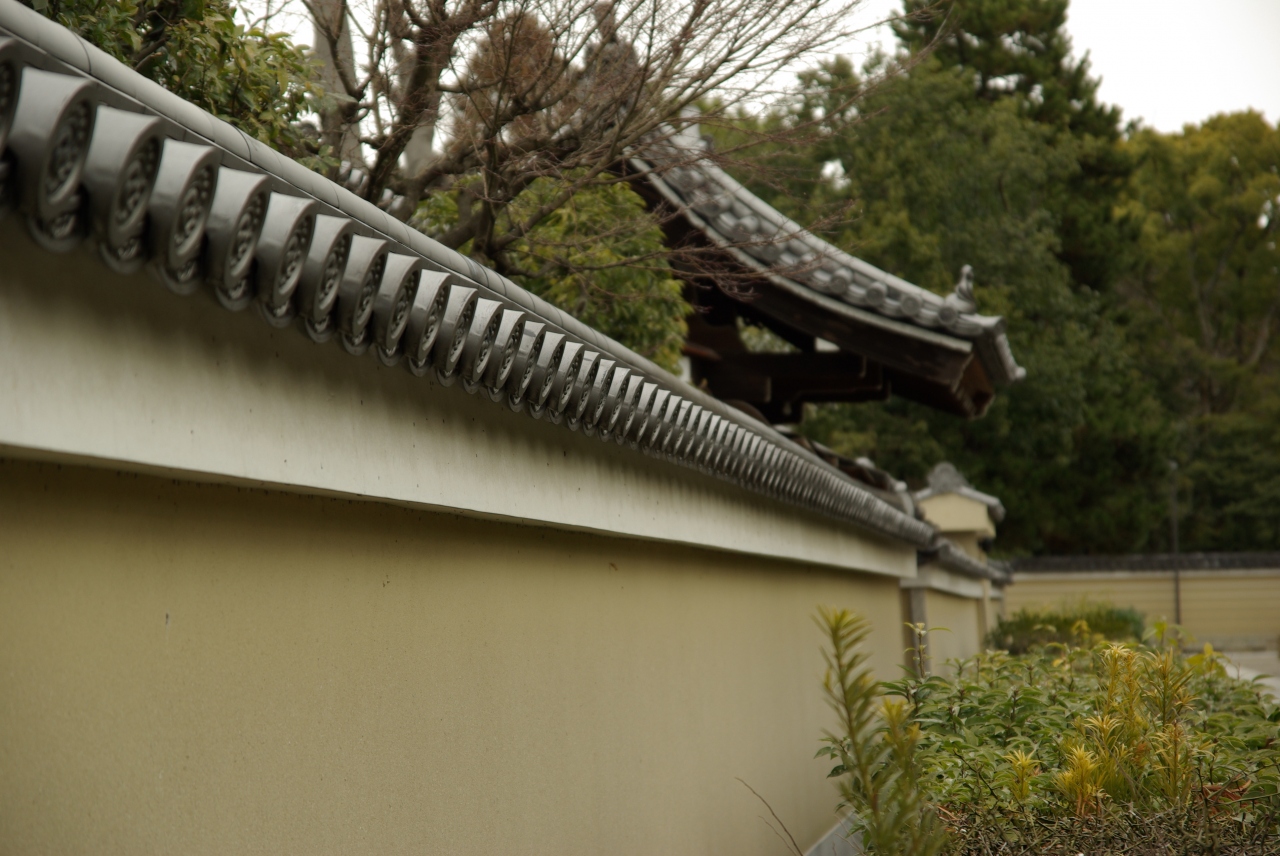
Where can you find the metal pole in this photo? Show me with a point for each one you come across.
(1173, 530)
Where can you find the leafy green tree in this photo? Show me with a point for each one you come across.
(939, 177)
(258, 81)
(1019, 51)
(1205, 299)
(1013, 47)
(1207, 201)
(1232, 482)
(599, 256)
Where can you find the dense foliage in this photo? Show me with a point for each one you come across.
(1029, 628)
(599, 256)
(1137, 270)
(1205, 300)
(1020, 55)
(1085, 746)
(257, 80)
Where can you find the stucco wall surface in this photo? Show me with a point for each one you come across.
(962, 637)
(116, 371)
(1230, 608)
(953, 513)
(195, 668)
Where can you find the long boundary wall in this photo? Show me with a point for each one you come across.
(257, 595)
(207, 669)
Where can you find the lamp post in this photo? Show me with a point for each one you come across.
(1173, 532)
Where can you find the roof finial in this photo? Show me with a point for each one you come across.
(947, 478)
(964, 291)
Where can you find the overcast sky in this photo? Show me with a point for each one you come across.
(1169, 62)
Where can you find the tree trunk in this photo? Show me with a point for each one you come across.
(337, 124)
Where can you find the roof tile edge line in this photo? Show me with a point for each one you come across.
(884, 322)
(992, 340)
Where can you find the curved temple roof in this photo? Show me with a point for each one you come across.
(765, 242)
(91, 150)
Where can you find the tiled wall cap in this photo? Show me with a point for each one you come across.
(167, 185)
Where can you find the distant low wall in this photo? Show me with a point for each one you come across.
(1234, 608)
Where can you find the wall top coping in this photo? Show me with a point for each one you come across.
(225, 214)
(1153, 562)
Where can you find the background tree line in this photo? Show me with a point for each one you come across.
(1138, 271)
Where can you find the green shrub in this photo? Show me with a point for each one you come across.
(875, 749)
(1101, 748)
(1028, 628)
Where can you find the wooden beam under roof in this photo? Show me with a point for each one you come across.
(779, 385)
(941, 374)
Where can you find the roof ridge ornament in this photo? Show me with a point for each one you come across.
(960, 301)
(962, 297)
(946, 477)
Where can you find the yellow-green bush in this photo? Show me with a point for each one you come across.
(1101, 747)
(1026, 628)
